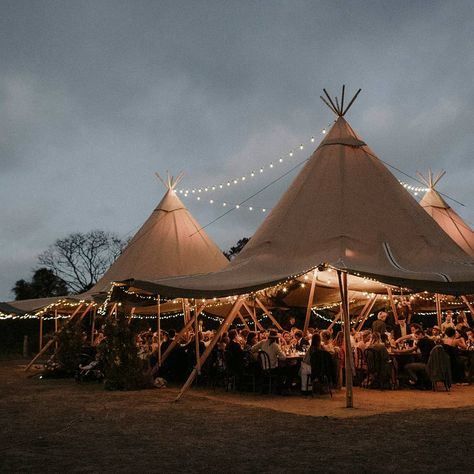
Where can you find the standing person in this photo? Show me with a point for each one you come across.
(379, 324)
(290, 324)
(234, 355)
(448, 321)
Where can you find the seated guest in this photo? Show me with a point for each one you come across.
(470, 338)
(250, 341)
(326, 342)
(400, 329)
(321, 362)
(435, 332)
(301, 343)
(462, 324)
(271, 347)
(452, 343)
(291, 323)
(234, 355)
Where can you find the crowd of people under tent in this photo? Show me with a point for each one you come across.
(297, 360)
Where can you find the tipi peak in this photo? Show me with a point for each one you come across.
(335, 106)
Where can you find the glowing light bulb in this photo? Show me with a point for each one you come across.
(237, 206)
(221, 186)
(252, 174)
(224, 204)
(323, 131)
(261, 170)
(301, 146)
(291, 153)
(264, 210)
(271, 165)
(235, 181)
(250, 208)
(199, 198)
(212, 201)
(281, 160)
(312, 139)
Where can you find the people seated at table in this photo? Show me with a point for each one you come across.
(271, 347)
(461, 322)
(400, 328)
(452, 343)
(301, 343)
(417, 369)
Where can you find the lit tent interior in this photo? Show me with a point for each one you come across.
(344, 211)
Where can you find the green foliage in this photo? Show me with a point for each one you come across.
(43, 284)
(237, 248)
(65, 360)
(123, 369)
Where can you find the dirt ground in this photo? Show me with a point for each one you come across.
(59, 426)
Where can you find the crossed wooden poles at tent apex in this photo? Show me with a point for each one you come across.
(337, 108)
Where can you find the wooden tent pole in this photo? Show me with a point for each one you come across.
(50, 342)
(158, 316)
(132, 312)
(252, 315)
(41, 333)
(224, 326)
(56, 323)
(438, 309)
(239, 314)
(310, 302)
(362, 313)
(94, 313)
(366, 315)
(469, 305)
(180, 335)
(347, 337)
(392, 304)
(196, 340)
(269, 314)
(336, 318)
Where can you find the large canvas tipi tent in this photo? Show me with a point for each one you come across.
(445, 216)
(345, 210)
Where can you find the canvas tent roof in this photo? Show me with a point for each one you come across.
(346, 210)
(169, 243)
(446, 217)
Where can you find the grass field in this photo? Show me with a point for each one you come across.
(62, 426)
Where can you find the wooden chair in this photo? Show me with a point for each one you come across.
(267, 376)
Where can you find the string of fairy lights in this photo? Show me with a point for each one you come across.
(206, 193)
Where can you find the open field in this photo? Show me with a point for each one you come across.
(59, 425)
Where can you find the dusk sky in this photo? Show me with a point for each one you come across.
(97, 96)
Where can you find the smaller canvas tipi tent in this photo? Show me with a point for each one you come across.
(445, 216)
(170, 243)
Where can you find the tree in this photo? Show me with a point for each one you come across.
(43, 284)
(236, 249)
(81, 259)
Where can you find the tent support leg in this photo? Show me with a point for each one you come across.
(54, 339)
(158, 329)
(310, 301)
(253, 315)
(469, 305)
(367, 312)
(342, 277)
(181, 333)
(438, 309)
(392, 304)
(269, 314)
(224, 326)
